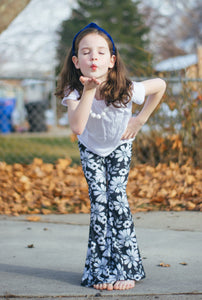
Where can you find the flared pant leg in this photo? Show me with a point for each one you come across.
(112, 247)
(125, 255)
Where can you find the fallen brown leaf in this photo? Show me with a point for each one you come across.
(183, 263)
(164, 265)
(33, 218)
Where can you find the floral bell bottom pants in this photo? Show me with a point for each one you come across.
(113, 252)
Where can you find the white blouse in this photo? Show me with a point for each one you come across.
(103, 136)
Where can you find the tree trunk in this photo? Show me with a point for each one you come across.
(9, 9)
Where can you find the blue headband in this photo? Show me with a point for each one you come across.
(92, 25)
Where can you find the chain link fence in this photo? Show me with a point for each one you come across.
(34, 124)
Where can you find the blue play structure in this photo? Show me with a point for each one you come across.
(7, 106)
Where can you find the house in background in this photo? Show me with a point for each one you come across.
(185, 66)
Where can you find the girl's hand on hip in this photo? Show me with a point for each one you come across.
(134, 125)
(89, 83)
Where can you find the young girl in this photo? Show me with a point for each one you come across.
(99, 96)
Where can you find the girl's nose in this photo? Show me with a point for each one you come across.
(94, 56)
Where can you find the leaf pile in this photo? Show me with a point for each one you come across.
(41, 188)
(165, 187)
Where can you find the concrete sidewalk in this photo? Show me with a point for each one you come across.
(53, 266)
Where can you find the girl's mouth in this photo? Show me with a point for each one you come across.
(93, 67)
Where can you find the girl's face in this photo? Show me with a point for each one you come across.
(94, 58)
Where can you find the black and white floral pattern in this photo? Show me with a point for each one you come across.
(112, 253)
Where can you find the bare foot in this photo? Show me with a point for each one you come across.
(124, 285)
(103, 286)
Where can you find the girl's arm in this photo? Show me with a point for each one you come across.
(78, 111)
(154, 89)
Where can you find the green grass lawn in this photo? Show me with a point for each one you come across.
(21, 149)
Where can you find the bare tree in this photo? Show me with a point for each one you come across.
(175, 27)
(191, 26)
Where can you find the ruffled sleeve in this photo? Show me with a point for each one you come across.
(138, 93)
(72, 96)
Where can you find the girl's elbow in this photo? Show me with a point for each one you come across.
(77, 130)
(162, 84)
(75, 126)
(154, 86)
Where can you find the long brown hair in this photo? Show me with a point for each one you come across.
(116, 90)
